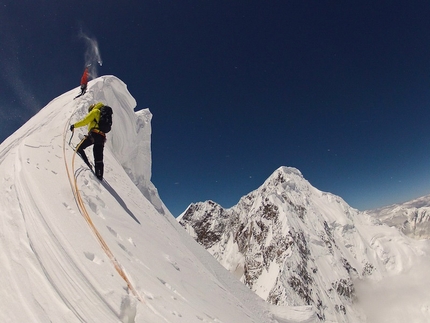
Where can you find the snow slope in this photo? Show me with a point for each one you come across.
(296, 245)
(73, 249)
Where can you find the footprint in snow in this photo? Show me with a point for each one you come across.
(101, 202)
(176, 314)
(69, 208)
(128, 309)
(125, 249)
(172, 262)
(93, 206)
(112, 231)
(148, 295)
(131, 242)
(168, 286)
(90, 256)
(164, 283)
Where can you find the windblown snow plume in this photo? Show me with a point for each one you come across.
(92, 54)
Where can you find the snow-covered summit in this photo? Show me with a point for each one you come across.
(296, 245)
(74, 249)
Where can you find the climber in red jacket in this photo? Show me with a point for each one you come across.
(84, 81)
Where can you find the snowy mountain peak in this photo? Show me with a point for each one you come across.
(295, 245)
(286, 177)
(289, 170)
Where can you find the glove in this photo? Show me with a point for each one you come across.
(72, 127)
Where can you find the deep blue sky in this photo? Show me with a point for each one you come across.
(339, 90)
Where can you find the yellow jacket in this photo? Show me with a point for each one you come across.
(92, 118)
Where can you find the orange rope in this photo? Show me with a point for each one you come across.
(85, 214)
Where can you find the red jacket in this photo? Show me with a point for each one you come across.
(84, 78)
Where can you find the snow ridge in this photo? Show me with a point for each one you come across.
(53, 268)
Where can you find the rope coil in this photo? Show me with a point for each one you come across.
(84, 212)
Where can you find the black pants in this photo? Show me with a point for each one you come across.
(98, 141)
(83, 89)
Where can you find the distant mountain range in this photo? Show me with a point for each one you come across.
(295, 245)
(412, 218)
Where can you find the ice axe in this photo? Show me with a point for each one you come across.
(73, 132)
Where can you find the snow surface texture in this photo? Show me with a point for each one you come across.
(412, 218)
(58, 266)
(295, 245)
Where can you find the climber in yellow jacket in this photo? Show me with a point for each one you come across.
(95, 137)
